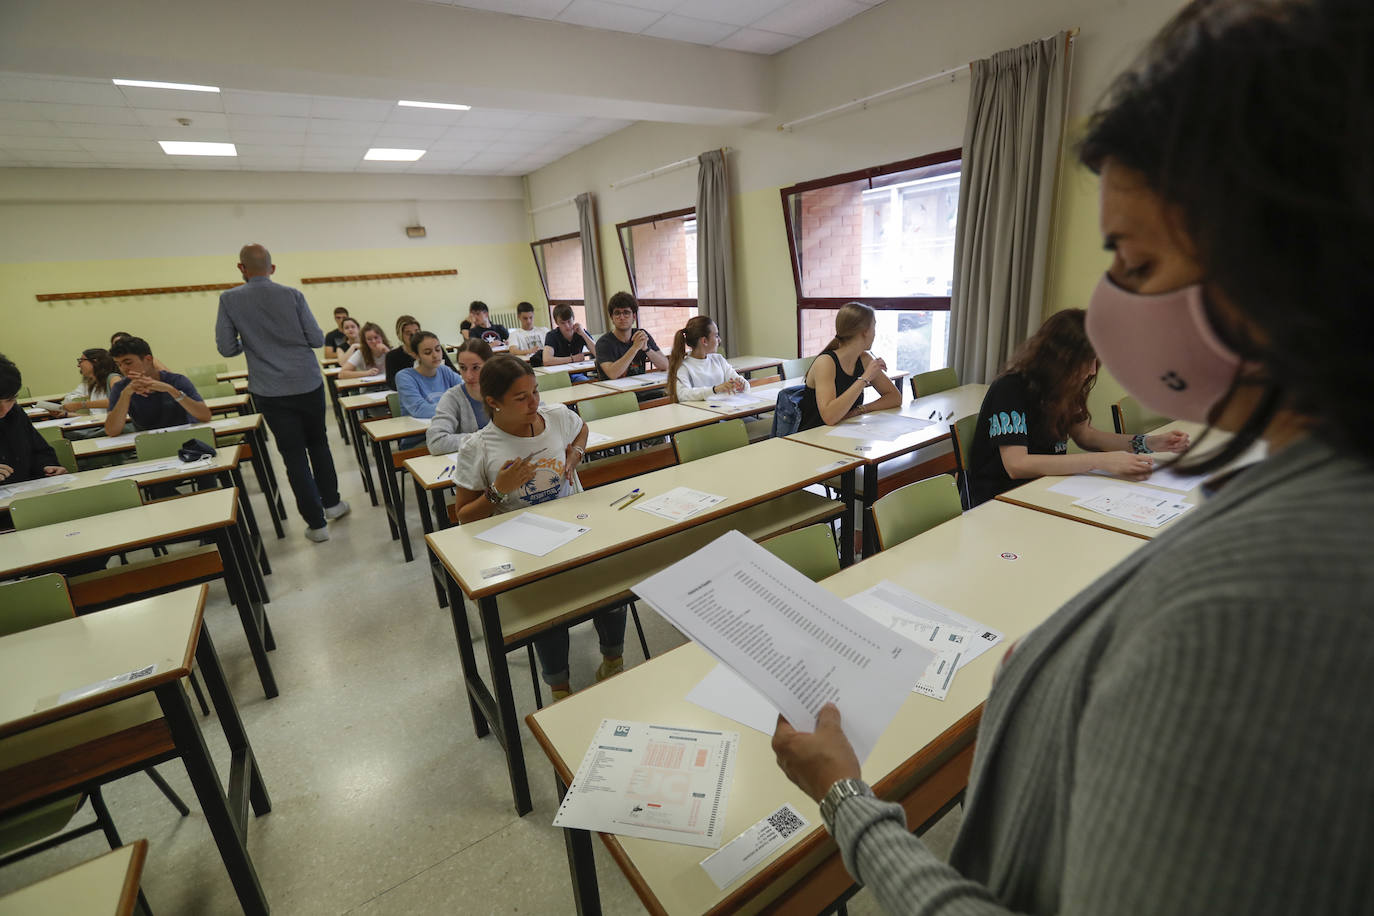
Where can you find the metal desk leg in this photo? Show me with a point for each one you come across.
(235, 479)
(330, 383)
(250, 612)
(428, 521)
(581, 865)
(386, 490)
(360, 450)
(847, 520)
(265, 484)
(870, 495)
(440, 509)
(507, 723)
(260, 439)
(477, 692)
(228, 712)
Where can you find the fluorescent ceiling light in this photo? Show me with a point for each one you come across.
(152, 84)
(381, 154)
(195, 148)
(448, 106)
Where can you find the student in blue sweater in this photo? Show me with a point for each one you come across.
(422, 387)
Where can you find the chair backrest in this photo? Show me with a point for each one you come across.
(201, 375)
(216, 389)
(703, 441)
(917, 507)
(612, 406)
(555, 380)
(393, 404)
(1129, 417)
(933, 382)
(23, 393)
(157, 444)
(962, 431)
(810, 551)
(65, 454)
(796, 368)
(83, 502)
(50, 434)
(36, 602)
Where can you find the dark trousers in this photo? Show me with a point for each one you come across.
(297, 423)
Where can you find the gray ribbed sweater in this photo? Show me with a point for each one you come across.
(1191, 734)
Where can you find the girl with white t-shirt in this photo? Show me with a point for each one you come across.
(369, 356)
(98, 375)
(695, 369)
(528, 454)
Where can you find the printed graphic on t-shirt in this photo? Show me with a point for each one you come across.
(1007, 423)
(488, 334)
(547, 484)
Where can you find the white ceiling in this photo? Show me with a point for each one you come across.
(81, 123)
(758, 26)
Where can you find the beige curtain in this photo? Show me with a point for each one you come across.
(592, 292)
(715, 247)
(1012, 145)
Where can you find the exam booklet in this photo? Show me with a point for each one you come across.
(655, 782)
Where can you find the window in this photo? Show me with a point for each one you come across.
(883, 236)
(559, 260)
(661, 258)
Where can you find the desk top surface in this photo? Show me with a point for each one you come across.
(650, 423)
(105, 445)
(370, 399)
(958, 565)
(957, 402)
(751, 363)
(363, 381)
(574, 393)
(395, 428)
(104, 886)
(225, 459)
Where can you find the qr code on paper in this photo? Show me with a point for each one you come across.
(785, 821)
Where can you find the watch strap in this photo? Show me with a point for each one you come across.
(838, 792)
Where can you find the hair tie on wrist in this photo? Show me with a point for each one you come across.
(1138, 445)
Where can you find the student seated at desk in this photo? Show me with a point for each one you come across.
(626, 349)
(337, 340)
(527, 339)
(1040, 401)
(478, 324)
(528, 454)
(403, 356)
(98, 375)
(367, 358)
(352, 338)
(835, 386)
(422, 387)
(24, 453)
(568, 342)
(152, 399)
(695, 369)
(460, 412)
(124, 335)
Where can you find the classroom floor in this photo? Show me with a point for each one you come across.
(383, 800)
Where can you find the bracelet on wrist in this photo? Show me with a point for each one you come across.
(494, 496)
(1138, 445)
(581, 452)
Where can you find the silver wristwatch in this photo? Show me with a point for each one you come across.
(842, 789)
(494, 496)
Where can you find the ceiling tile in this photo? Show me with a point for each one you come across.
(697, 31)
(268, 122)
(166, 119)
(58, 155)
(350, 109)
(69, 92)
(101, 131)
(427, 131)
(466, 136)
(537, 9)
(443, 116)
(326, 126)
(173, 99)
(31, 129)
(39, 143)
(22, 111)
(493, 117)
(88, 114)
(733, 12)
(237, 101)
(757, 41)
(269, 137)
(394, 142)
(101, 147)
(805, 18)
(598, 14)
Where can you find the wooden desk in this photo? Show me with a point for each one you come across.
(923, 758)
(103, 886)
(240, 385)
(234, 403)
(766, 397)
(747, 364)
(55, 747)
(352, 407)
(586, 365)
(575, 393)
(249, 425)
(383, 433)
(746, 477)
(645, 381)
(342, 387)
(212, 513)
(231, 375)
(35, 398)
(957, 402)
(80, 421)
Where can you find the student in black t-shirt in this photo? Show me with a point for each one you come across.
(479, 323)
(152, 399)
(568, 342)
(841, 373)
(336, 341)
(24, 453)
(626, 349)
(1038, 403)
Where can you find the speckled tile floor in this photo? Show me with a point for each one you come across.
(384, 802)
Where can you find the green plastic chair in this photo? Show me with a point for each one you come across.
(962, 432)
(796, 368)
(65, 454)
(23, 393)
(612, 406)
(216, 390)
(915, 508)
(50, 434)
(393, 404)
(202, 375)
(83, 502)
(148, 446)
(691, 444)
(810, 551)
(555, 380)
(933, 382)
(1130, 418)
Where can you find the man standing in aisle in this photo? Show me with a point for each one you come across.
(273, 327)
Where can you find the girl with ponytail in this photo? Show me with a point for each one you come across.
(695, 369)
(835, 385)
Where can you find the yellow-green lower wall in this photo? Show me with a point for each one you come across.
(44, 338)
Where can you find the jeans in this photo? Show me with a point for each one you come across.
(552, 647)
(297, 423)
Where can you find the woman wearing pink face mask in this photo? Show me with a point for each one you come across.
(1190, 734)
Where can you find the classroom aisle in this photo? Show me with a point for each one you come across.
(384, 802)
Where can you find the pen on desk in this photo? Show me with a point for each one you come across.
(631, 500)
(950, 415)
(933, 415)
(628, 495)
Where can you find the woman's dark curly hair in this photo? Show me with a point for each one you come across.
(1052, 362)
(1254, 121)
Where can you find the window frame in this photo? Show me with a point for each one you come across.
(684, 302)
(881, 303)
(535, 251)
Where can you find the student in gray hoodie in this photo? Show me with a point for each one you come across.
(460, 412)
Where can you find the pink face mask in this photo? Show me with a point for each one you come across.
(1161, 348)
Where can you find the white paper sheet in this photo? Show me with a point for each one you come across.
(1151, 508)
(43, 484)
(727, 694)
(653, 781)
(729, 863)
(799, 645)
(889, 598)
(630, 382)
(737, 400)
(883, 427)
(1080, 486)
(582, 366)
(107, 684)
(594, 439)
(678, 503)
(533, 534)
(65, 422)
(147, 467)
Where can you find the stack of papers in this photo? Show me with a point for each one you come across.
(536, 535)
(678, 503)
(1138, 505)
(744, 399)
(146, 467)
(654, 782)
(594, 439)
(630, 382)
(884, 427)
(43, 484)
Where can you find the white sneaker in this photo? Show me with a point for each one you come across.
(318, 534)
(338, 510)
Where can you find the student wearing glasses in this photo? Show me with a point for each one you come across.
(626, 349)
(98, 375)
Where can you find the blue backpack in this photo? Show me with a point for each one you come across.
(787, 417)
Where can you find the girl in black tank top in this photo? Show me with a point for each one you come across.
(810, 412)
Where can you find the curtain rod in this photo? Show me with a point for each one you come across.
(951, 74)
(661, 170)
(557, 203)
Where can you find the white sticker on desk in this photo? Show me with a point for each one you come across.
(492, 571)
(727, 864)
(833, 466)
(101, 686)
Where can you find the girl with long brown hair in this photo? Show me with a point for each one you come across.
(695, 369)
(1038, 403)
(98, 374)
(835, 385)
(368, 357)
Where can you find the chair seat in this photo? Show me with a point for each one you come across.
(184, 567)
(568, 596)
